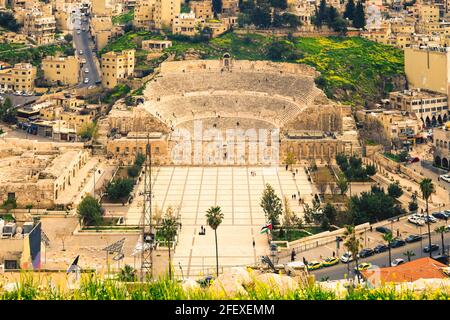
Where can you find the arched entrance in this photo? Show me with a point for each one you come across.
(445, 163)
(427, 122)
(437, 161)
(433, 121)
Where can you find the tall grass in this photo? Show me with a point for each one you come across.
(34, 286)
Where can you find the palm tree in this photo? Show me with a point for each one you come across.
(427, 188)
(409, 254)
(127, 274)
(214, 217)
(353, 245)
(388, 237)
(168, 230)
(442, 230)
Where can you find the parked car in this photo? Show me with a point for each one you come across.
(445, 177)
(433, 247)
(413, 238)
(364, 253)
(440, 215)
(397, 262)
(331, 261)
(347, 257)
(80, 52)
(383, 230)
(397, 243)
(413, 159)
(314, 265)
(86, 80)
(416, 220)
(380, 248)
(364, 266)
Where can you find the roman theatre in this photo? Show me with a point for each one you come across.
(227, 94)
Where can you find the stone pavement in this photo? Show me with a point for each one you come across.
(195, 189)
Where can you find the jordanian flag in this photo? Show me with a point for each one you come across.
(266, 228)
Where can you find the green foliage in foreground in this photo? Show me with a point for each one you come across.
(35, 55)
(94, 288)
(123, 18)
(352, 69)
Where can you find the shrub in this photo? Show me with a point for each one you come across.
(90, 211)
(119, 189)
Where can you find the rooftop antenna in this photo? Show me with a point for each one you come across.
(148, 236)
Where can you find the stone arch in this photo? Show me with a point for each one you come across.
(427, 121)
(433, 121)
(439, 119)
(445, 163)
(437, 161)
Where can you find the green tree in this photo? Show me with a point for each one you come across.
(441, 230)
(127, 274)
(330, 212)
(271, 205)
(388, 237)
(88, 131)
(349, 10)
(139, 160)
(8, 112)
(395, 190)
(133, 171)
(359, 19)
(119, 189)
(320, 16)
(412, 206)
(427, 188)
(168, 230)
(342, 183)
(370, 170)
(89, 211)
(353, 244)
(68, 38)
(9, 204)
(339, 25)
(261, 16)
(29, 207)
(290, 20)
(214, 218)
(8, 21)
(409, 254)
(217, 7)
(290, 159)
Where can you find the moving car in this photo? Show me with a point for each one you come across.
(364, 266)
(347, 257)
(416, 220)
(331, 261)
(413, 238)
(413, 159)
(86, 70)
(78, 32)
(367, 252)
(397, 262)
(86, 80)
(429, 219)
(80, 52)
(397, 243)
(380, 248)
(434, 247)
(83, 60)
(314, 265)
(445, 177)
(383, 230)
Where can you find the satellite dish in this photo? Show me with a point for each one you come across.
(118, 257)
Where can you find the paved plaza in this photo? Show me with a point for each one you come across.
(194, 189)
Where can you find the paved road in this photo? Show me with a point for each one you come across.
(83, 42)
(382, 260)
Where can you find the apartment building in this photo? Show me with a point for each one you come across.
(40, 26)
(187, 24)
(61, 70)
(156, 45)
(202, 9)
(430, 107)
(18, 78)
(116, 66)
(156, 14)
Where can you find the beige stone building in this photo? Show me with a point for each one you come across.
(230, 7)
(156, 45)
(18, 78)
(103, 31)
(12, 37)
(187, 24)
(430, 107)
(40, 26)
(428, 68)
(156, 14)
(441, 142)
(64, 70)
(116, 66)
(202, 9)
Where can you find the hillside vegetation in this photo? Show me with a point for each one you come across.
(353, 70)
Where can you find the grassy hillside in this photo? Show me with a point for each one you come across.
(353, 70)
(16, 53)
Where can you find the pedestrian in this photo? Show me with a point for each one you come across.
(299, 201)
(293, 254)
(398, 232)
(370, 228)
(296, 170)
(304, 261)
(298, 193)
(286, 167)
(253, 243)
(334, 254)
